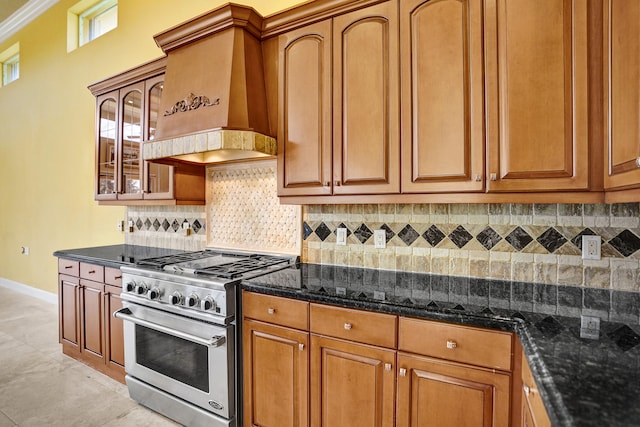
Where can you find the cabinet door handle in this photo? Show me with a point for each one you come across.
(451, 344)
(271, 310)
(387, 367)
(638, 162)
(529, 390)
(336, 183)
(326, 184)
(403, 372)
(493, 177)
(301, 347)
(478, 177)
(347, 326)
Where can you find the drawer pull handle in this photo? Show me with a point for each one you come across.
(68, 266)
(528, 390)
(301, 347)
(403, 372)
(347, 326)
(118, 277)
(451, 344)
(387, 367)
(271, 310)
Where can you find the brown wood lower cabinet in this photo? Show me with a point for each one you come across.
(358, 359)
(433, 392)
(87, 296)
(533, 412)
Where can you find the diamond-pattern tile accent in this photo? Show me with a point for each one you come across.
(322, 231)
(625, 338)
(196, 226)
(488, 238)
(577, 240)
(342, 226)
(306, 231)
(626, 243)
(433, 235)
(408, 235)
(388, 232)
(363, 233)
(551, 239)
(139, 224)
(519, 238)
(175, 225)
(147, 224)
(156, 224)
(549, 327)
(460, 236)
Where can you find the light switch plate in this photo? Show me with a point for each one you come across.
(589, 327)
(341, 236)
(380, 239)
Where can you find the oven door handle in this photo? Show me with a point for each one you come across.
(125, 314)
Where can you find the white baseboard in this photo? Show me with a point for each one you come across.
(29, 290)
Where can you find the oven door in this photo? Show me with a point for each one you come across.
(190, 359)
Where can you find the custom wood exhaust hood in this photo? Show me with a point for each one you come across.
(213, 105)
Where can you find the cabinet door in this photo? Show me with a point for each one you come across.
(106, 146)
(366, 137)
(304, 110)
(130, 171)
(351, 384)
(114, 331)
(622, 97)
(158, 179)
(91, 318)
(435, 393)
(536, 59)
(276, 375)
(442, 96)
(68, 306)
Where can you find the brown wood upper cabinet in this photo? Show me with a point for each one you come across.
(442, 96)
(622, 93)
(127, 107)
(338, 130)
(536, 95)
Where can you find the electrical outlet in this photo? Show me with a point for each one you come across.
(120, 225)
(341, 236)
(24, 250)
(589, 327)
(591, 247)
(380, 239)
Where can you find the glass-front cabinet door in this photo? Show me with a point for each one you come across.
(159, 178)
(131, 128)
(107, 149)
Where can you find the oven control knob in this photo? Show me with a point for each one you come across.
(207, 303)
(176, 298)
(130, 287)
(154, 294)
(192, 300)
(141, 289)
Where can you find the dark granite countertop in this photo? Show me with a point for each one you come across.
(583, 382)
(114, 255)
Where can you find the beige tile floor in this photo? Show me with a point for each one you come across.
(39, 386)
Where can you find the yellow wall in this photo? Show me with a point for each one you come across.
(47, 131)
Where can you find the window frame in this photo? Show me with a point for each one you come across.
(10, 65)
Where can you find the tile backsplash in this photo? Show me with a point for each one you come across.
(525, 243)
(242, 212)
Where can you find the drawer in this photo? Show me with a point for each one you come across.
(354, 325)
(276, 310)
(113, 276)
(531, 394)
(68, 267)
(481, 347)
(92, 272)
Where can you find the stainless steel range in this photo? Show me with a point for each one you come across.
(180, 341)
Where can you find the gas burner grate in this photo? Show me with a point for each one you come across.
(236, 269)
(162, 261)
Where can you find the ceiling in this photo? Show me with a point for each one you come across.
(8, 7)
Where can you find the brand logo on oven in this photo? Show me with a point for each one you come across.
(216, 405)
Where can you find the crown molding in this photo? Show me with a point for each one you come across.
(21, 17)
